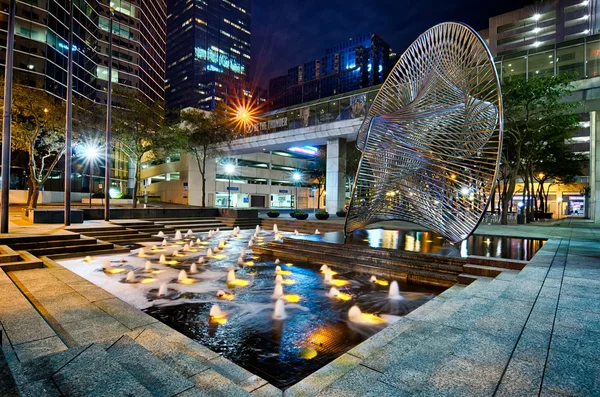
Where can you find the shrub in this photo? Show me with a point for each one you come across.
(300, 215)
(322, 215)
(341, 213)
(123, 196)
(98, 195)
(292, 213)
(272, 214)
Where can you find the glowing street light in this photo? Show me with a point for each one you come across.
(229, 169)
(91, 152)
(297, 177)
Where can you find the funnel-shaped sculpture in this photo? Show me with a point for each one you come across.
(432, 138)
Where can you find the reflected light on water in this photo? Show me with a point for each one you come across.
(147, 280)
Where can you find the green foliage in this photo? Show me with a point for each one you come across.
(300, 215)
(341, 213)
(322, 215)
(123, 196)
(98, 195)
(272, 214)
(292, 213)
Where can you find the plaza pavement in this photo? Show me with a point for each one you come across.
(532, 333)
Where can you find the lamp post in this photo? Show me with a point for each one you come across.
(69, 121)
(111, 12)
(7, 115)
(91, 152)
(229, 168)
(296, 177)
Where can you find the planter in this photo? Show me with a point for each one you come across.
(100, 201)
(292, 214)
(323, 215)
(273, 214)
(341, 214)
(301, 216)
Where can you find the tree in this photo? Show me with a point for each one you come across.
(535, 116)
(38, 129)
(317, 170)
(203, 134)
(139, 129)
(353, 156)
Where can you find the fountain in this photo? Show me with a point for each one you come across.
(201, 261)
(240, 261)
(164, 243)
(130, 277)
(275, 229)
(328, 276)
(186, 247)
(296, 232)
(333, 292)
(394, 291)
(189, 233)
(216, 315)
(257, 229)
(191, 243)
(317, 231)
(221, 244)
(323, 267)
(356, 316)
(182, 276)
(106, 265)
(148, 267)
(178, 235)
(279, 310)
(373, 279)
(161, 234)
(88, 259)
(243, 253)
(210, 234)
(217, 231)
(162, 290)
(154, 247)
(142, 252)
(209, 253)
(193, 268)
(278, 292)
(198, 241)
(162, 259)
(231, 276)
(250, 243)
(175, 253)
(277, 262)
(277, 269)
(279, 279)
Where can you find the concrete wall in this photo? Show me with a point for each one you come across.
(46, 197)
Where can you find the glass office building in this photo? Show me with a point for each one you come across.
(208, 51)
(360, 62)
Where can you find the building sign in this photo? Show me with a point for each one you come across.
(308, 150)
(283, 191)
(233, 188)
(270, 124)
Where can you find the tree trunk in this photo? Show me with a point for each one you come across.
(509, 184)
(136, 185)
(33, 198)
(203, 172)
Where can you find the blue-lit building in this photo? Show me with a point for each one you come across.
(208, 51)
(357, 63)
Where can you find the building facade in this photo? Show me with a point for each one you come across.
(41, 53)
(208, 51)
(360, 62)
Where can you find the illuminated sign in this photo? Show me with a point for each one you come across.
(308, 150)
(218, 60)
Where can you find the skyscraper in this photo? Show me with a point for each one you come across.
(208, 51)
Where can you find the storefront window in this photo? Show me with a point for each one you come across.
(238, 200)
(514, 67)
(593, 59)
(541, 64)
(570, 60)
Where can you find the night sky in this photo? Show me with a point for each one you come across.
(287, 33)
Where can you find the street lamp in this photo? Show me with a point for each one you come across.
(229, 168)
(297, 177)
(91, 153)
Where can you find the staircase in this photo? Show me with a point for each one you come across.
(287, 224)
(416, 268)
(116, 234)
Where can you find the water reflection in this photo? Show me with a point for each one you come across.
(431, 242)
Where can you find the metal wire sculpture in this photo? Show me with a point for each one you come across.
(432, 138)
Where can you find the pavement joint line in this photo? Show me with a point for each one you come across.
(372, 369)
(67, 363)
(188, 389)
(528, 316)
(60, 332)
(564, 265)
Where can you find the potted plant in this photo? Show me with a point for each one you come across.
(273, 213)
(292, 214)
(341, 213)
(300, 215)
(322, 215)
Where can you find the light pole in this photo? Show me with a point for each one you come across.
(296, 177)
(111, 12)
(7, 116)
(91, 152)
(229, 168)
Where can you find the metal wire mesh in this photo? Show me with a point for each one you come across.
(431, 141)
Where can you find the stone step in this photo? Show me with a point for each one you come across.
(150, 371)
(8, 255)
(50, 243)
(134, 239)
(31, 238)
(105, 233)
(465, 278)
(93, 229)
(71, 249)
(180, 221)
(8, 386)
(110, 251)
(25, 261)
(479, 270)
(94, 373)
(126, 236)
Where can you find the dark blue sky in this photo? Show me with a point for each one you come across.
(287, 33)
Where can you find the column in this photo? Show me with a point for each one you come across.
(335, 184)
(131, 178)
(594, 178)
